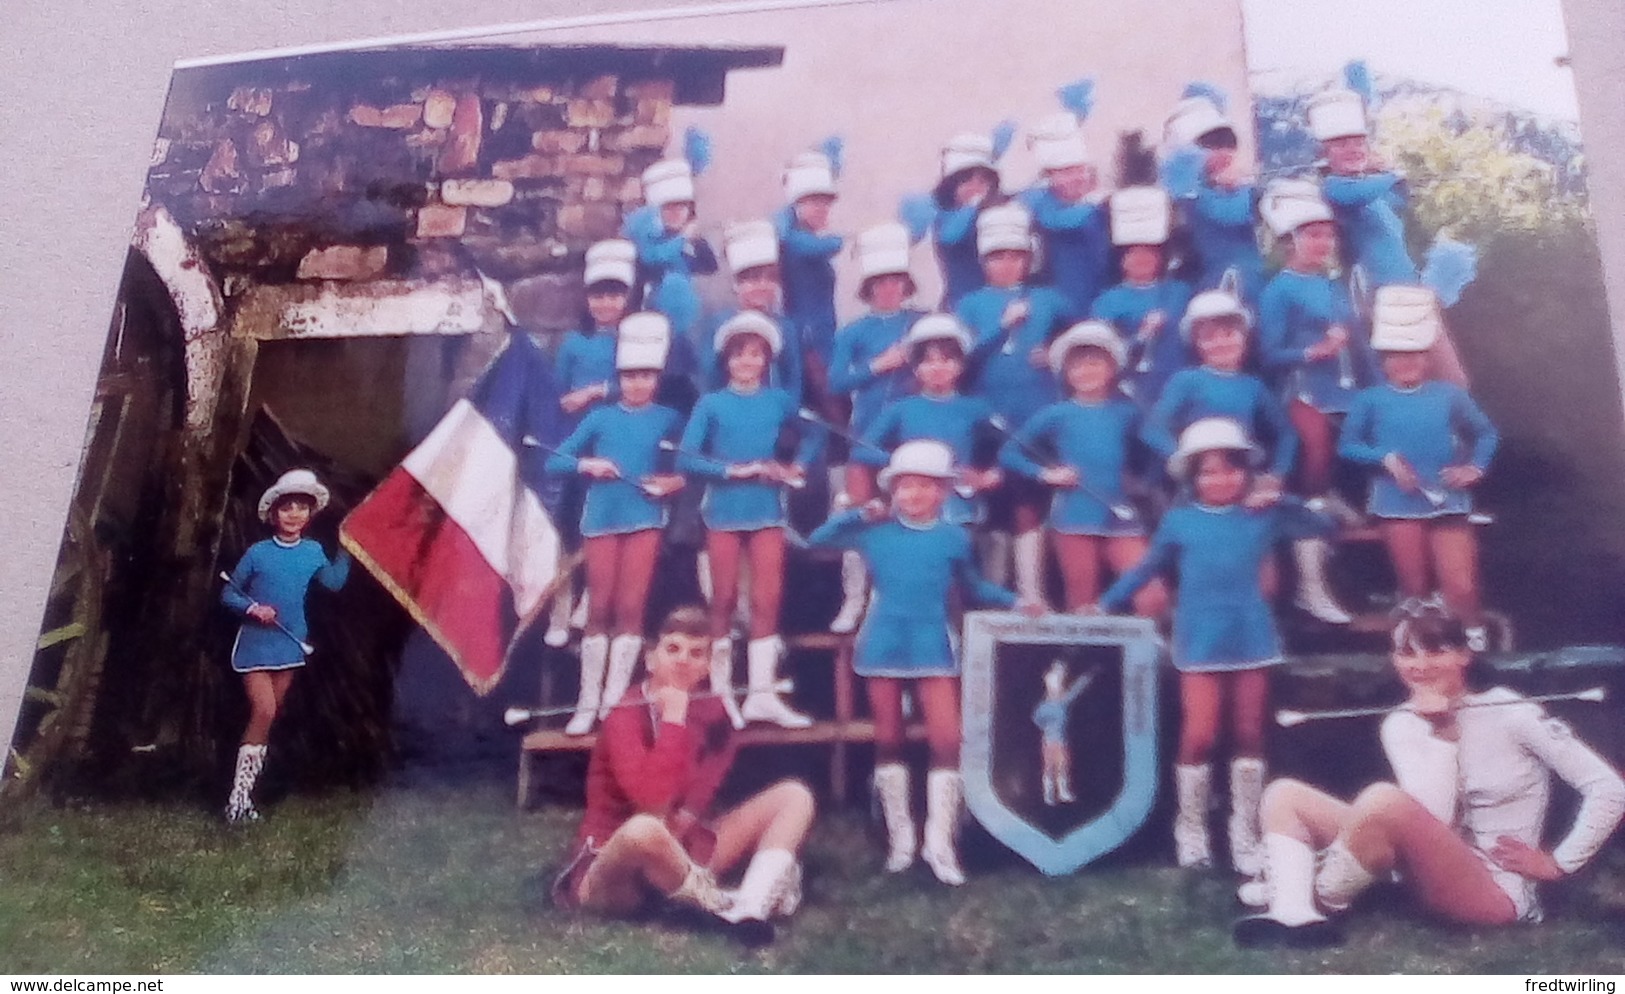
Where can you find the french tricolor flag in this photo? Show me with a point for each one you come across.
(459, 533)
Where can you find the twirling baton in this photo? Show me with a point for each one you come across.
(807, 414)
(518, 716)
(667, 445)
(304, 647)
(1288, 718)
(1120, 511)
(535, 443)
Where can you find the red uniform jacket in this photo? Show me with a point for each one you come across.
(671, 772)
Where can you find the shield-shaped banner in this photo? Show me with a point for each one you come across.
(1060, 752)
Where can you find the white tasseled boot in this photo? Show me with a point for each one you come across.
(1292, 919)
(762, 702)
(771, 887)
(702, 575)
(1063, 788)
(1314, 594)
(594, 656)
(578, 617)
(623, 663)
(943, 792)
(1049, 790)
(854, 593)
(891, 788)
(240, 805)
(699, 889)
(1246, 790)
(722, 679)
(1340, 878)
(1029, 558)
(558, 618)
(1192, 785)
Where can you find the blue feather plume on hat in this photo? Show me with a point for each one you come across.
(834, 149)
(917, 213)
(1212, 94)
(1449, 267)
(1003, 134)
(697, 149)
(1358, 78)
(1078, 97)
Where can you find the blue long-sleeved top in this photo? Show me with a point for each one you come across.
(1124, 307)
(913, 569)
(1431, 426)
(1223, 230)
(1370, 213)
(278, 574)
(1077, 250)
(729, 427)
(956, 421)
(856, 346)
(669, 262)
(1001, 367)
(785, 371)
(1221, 619)
(1095, 439)
(953, 234)
(586, 357)
(630, 438)
(1294, 312)
(809, 281)
(1193, 394)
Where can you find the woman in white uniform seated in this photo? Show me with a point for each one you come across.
(1462, 826)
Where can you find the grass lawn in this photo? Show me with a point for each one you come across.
(446, 879)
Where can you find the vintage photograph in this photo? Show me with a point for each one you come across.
(921, 486)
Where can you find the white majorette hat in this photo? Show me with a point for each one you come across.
(1097, 333)
(1140, 215)
(1007, 226)
(642, 341)
(808, 173)
(749, 244)
(1405, 319)
(748, 323)
(1336, 113)
(883, 250)
(1192, 119)
(1213, 304)
(937, 328)
(1057, 142)
(921, 457)
(613, 259)
(1207, 434)
(669, 181)
(1289, 204)
(967, 151)
(294, 481)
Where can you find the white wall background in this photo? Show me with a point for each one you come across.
(85, 85)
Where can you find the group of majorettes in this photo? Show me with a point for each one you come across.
(1068, 351)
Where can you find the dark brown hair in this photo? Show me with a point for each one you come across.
(1427, 626)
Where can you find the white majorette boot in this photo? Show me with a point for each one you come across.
(854, 594)
(1246, 790)
(722, 679)
(1049, 790)
(1340, 877)
(762, 702)
(558, 619)
(891, 788)
(943, 791)
(1292, 919)
(578, 617)
(623, 663)
(771, 887)
(240, 805)
(1192, 784)
(1314, 595)
(1029, 559)
(594, 657)
(699, 890)
(1063, 788)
